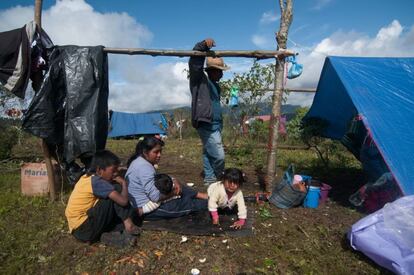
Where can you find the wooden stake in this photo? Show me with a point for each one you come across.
(50, 170)
(45, 147)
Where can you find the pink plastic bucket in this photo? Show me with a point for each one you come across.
(324, 193)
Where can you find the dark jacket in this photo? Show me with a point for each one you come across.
(15, 60)
(201, 104)
(19, 60)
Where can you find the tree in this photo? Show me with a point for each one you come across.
(286, 9)
(253, 87)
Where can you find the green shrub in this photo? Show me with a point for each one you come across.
(294, 126)
(8, 138)
(259, 131)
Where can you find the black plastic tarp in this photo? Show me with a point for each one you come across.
(71, 109)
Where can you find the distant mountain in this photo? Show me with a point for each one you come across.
(289, 108)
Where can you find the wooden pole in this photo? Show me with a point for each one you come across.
(286, 16)
(38, 12)
(289, 90)
(45, 147)
(300, 90)
(178, 53)
(50, 170)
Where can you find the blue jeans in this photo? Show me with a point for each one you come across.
(213, 154)
(187, 204)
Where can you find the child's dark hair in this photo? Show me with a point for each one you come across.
(164, 183)
(233, 175)
(144, 145)
(103, 159)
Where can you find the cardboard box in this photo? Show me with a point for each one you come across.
(34, 181)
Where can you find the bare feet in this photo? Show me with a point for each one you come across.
(131, 228)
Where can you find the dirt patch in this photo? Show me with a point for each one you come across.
(293, 241)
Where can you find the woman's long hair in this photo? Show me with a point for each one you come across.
(145, 145)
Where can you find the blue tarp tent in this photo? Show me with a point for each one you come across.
(381, 90)
(128, 124)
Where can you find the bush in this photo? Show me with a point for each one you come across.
(294, 126)
(259, 131)
(310, 132)
(8, 138)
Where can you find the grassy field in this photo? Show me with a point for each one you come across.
(34, 237)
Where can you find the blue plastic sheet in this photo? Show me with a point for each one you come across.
(128, 124)
(381, 90)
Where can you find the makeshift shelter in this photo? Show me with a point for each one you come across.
(130, 124)
(70, 110)
(381, 91)
(286, 8)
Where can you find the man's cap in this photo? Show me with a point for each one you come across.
(216, 63)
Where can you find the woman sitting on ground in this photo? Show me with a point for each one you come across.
(143, 192)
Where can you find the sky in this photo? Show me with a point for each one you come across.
(142, 83)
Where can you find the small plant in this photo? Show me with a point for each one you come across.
(269, 263)
(264, 212)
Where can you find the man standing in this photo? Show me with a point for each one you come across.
(206, 113)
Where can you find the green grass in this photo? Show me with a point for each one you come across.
(34, 236)
(26, 224)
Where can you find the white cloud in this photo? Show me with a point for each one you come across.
(268, 17)
(75, 22)
(142, 90)
(260, 41)
(390, 40)
(137, 84)
(15, 17)
(320, 4)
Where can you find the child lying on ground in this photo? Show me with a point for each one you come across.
(165, 185)
(98, 200)
(226, 194)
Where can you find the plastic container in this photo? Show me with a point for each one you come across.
(324, 193)
(284, 195)
(34, 179)
(312, 197)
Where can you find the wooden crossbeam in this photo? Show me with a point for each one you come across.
(290, 90)
(183, 53)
